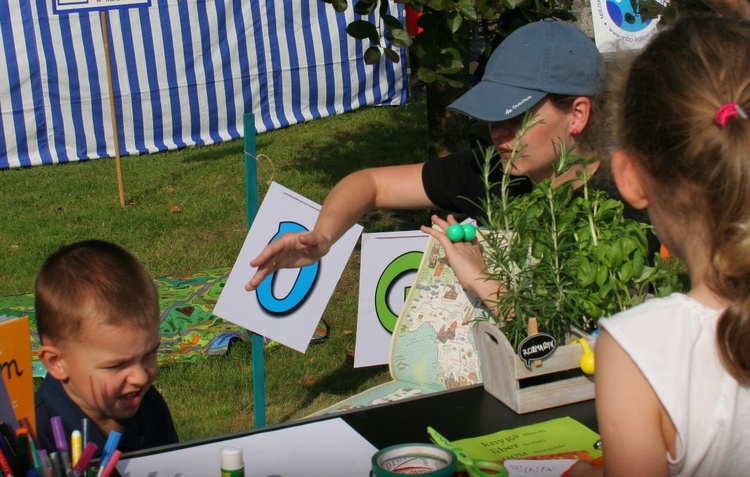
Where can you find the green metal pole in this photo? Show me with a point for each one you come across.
(251, 199)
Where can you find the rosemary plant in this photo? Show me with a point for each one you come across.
(565, 257)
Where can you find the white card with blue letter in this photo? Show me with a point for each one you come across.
(289, 303)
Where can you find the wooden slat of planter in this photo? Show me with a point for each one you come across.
(502, 371)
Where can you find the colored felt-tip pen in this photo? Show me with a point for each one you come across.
(35, 462)
(5, 465)
(61, 442)
(45, 464)
(114, 458)
(113, 439)
(83, 463)
(9, 445)
(23, 450)
(85, 431)
(26, 424)
(58, 469)
(76, 446)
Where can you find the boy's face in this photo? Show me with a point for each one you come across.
(109, 369)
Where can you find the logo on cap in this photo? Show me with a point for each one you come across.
(517, 105)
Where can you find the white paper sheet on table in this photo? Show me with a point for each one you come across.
(330, 447)
(538, 468)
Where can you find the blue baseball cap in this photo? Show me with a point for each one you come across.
(543, 57)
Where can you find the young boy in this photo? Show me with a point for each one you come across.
(97, 312)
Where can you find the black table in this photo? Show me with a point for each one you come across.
(456, 414)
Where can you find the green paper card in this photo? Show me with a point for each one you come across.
(557, 436)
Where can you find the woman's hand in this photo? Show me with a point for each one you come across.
(464, 257)
(291, 250)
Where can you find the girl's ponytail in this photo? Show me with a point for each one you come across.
(732, 279)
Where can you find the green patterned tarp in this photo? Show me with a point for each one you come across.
(189, 330)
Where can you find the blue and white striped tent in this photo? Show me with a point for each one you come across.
(185, 72)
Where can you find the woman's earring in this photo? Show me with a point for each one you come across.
(575, 132)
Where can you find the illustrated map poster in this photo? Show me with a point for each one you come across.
(433, 345)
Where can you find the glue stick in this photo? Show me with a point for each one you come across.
(232, 464)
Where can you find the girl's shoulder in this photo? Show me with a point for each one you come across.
(665, 313)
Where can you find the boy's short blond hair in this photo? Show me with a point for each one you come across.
(88, 281)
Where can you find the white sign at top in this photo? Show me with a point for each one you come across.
(618, 25)
(71, 6)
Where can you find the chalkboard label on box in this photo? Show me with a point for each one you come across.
(536, 347)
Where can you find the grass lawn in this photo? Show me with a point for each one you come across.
(185, 212)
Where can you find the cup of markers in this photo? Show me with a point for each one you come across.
(20, 455)
(14, 450)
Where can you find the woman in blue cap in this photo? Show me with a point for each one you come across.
(549, 67)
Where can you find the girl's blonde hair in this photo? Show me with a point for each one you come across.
(702, 168)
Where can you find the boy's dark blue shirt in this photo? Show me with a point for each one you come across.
(151, 426)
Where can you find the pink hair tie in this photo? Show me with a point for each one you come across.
(728, 111)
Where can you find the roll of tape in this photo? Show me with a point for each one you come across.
(414, 459)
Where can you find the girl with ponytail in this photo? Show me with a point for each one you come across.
(673, 374)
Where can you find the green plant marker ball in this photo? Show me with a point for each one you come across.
(469, 232)
(455, 233)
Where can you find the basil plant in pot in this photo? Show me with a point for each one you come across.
(563, 256)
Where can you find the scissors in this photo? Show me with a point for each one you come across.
(474, 468)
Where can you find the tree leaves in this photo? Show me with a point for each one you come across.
(361, 29)
(426, 74)
(365, 7)
(391, 55)
(441, 20)
(338, 5)
(398, 38)
(454, 20)
(372, 55)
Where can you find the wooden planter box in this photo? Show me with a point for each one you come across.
(504, 373)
